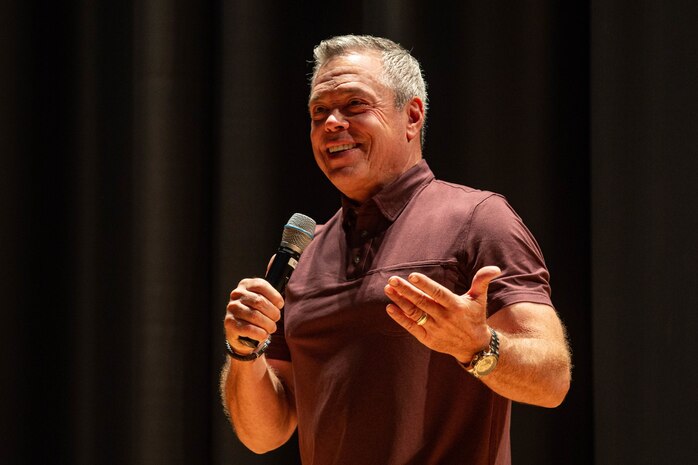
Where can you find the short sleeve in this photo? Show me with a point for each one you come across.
(497, 236)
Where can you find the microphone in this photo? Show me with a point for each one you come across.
(297, 234)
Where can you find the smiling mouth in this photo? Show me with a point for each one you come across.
(340, 148)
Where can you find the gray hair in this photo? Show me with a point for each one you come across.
(401, 71)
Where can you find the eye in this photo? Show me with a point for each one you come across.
(318, 111)
(356, 105)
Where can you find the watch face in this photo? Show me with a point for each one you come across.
(486, 364)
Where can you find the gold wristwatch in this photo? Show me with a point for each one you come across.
(484, 363)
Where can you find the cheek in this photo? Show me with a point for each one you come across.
(315, 147)
(318, 160)
(313, 135)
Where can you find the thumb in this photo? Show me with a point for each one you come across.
(478, 288)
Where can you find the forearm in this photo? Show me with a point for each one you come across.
(531, 370)
(258, 404)
(534, 360)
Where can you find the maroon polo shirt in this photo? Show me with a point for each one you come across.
(367, 392)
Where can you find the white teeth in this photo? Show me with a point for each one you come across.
(342, 147)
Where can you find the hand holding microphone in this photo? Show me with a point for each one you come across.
(252, 305)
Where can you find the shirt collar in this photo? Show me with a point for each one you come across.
(394, 197)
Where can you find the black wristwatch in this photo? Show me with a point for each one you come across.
(261, 348)
(484, 363)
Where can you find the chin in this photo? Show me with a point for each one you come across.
(345, 183)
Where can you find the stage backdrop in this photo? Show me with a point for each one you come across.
(152, 151)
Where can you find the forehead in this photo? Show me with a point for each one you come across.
(354, 72)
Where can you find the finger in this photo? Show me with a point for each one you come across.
(252, 311)
(245, 314)
(405, 321)
(425, 293)
(481, 281)
(271, 260)
(411, 300)
(259, 298)
(259, 303)
(260, 286)
(235, 328)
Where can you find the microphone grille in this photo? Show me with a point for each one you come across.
(298, 232)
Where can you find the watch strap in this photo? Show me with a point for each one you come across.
(491, 350)
(261, 348)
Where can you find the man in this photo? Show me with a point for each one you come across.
(418, 312)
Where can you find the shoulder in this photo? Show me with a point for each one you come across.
(462, 195)
(465, 204)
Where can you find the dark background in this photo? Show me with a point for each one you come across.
(151, 152)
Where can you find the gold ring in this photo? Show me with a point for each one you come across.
(423, 319)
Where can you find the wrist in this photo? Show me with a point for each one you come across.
(484, 362)
(483, 342)
(247, 357)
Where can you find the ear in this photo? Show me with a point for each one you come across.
(415, 118)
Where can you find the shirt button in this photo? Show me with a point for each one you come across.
(364, 233)
(357, 259)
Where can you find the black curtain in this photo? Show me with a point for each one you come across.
(151, 152)
(644, 162)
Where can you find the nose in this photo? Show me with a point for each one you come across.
(336, 122)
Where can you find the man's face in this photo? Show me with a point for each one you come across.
(359, 138)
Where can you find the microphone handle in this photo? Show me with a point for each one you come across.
(278, 275)
(281, 268)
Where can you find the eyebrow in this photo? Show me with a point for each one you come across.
(353, 90)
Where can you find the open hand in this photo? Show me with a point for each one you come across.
(438, 318)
